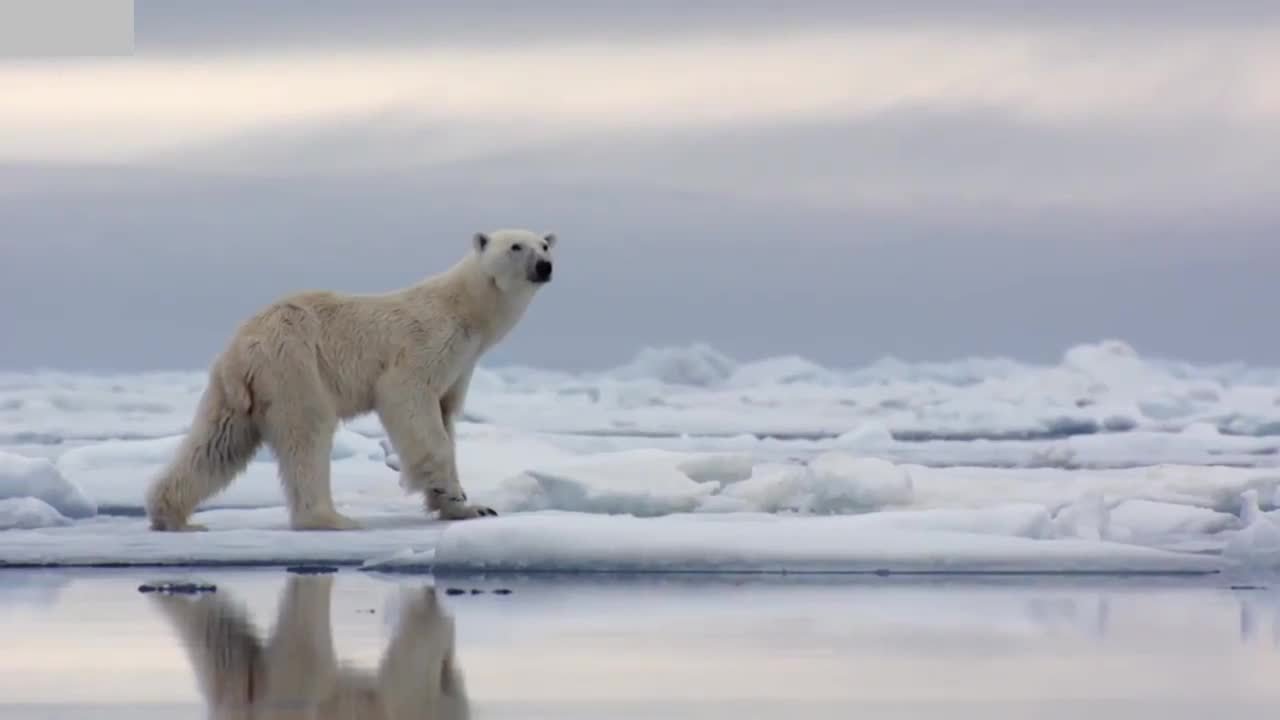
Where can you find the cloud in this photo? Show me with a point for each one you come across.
(138, 110)
(240, 25)
(840, 180)
(934, 159)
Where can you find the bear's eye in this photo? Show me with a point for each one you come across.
(517, 247)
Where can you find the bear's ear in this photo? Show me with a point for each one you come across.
(550, 240)
(480, 240)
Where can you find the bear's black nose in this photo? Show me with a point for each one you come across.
(542, 270)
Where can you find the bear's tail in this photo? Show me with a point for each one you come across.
(222, 440)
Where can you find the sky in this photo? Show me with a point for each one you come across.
(839, 180)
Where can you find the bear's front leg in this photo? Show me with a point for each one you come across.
(416, 428)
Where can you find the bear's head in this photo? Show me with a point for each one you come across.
(515, 258)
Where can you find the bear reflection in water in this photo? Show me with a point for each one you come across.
(295, 673)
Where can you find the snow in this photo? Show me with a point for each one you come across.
(403, 560)
(1258, 543)
(1096, 388)
(685, 458)
(1087, 517)
(38, 479)
(639, 482)
(833, 482)
(562, 542)
(1146, 518)
(1019, 520)
(698, 365)
(26, 513)
(235, 540)
(1008, 539)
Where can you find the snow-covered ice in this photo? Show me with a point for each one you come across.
(27, 513)
(1258, 542)
(746, 542)
(39, 479)
(1001, 539)
(685, 458)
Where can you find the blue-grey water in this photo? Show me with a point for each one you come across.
(270, 644)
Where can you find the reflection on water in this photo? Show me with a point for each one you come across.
(269, 644)
(294, 672)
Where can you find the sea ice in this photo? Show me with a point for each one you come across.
(832, 483)
(638, 482)
(1005, 540)
(28, 513)
(1104, 388)
(1258, 542)
(913, 464)
(1138, 518)
(698, 365)
(39, 479)
(752, 543)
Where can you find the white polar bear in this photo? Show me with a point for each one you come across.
(298, 367)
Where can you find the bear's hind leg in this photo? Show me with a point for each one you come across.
(302, 440)
(221, 442)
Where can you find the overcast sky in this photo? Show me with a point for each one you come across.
(839, 180)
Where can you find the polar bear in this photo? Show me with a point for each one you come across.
(298, 367)
(295, 672)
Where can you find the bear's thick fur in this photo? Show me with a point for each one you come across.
(298, 367)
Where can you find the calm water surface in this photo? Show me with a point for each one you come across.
(87, 644)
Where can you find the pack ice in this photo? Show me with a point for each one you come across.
(685, 460)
